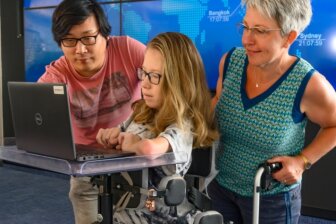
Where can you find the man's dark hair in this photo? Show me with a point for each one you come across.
(74, 12)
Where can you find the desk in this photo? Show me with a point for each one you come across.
(91, 168)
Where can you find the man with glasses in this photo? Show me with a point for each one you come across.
(101, 77)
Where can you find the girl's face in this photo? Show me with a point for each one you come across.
(152, 75)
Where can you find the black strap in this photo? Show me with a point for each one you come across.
(199, 199)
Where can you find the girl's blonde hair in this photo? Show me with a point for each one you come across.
(184, 90)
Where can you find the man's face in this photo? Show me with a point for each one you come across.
(86, 59)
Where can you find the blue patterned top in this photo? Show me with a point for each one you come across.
(255, 130)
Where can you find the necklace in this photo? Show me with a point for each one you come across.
(275, 75)
(259, 83)
(256, 79)
(254, 74)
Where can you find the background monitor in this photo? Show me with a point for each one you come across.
(211, 24)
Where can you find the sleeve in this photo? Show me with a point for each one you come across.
(179, 140)
(54, 72)
(124, 125)
(49, 78)
(136, 50)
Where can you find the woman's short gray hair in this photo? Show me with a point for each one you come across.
(289, 14)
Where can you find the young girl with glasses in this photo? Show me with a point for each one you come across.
(173, 115)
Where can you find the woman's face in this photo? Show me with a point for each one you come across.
(152, 76)
(264, 43)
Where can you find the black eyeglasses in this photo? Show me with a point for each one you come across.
(257, 30)
(153, 77)
(72, 42)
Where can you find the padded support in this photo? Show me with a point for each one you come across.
(175, 187)
(209, 217)
(203, 167)
(201, 162)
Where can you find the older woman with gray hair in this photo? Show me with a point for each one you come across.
(264, 97)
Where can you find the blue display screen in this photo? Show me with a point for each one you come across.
(211, 24)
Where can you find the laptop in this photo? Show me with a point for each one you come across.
(42, 124)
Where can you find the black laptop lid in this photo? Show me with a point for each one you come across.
(41, 118)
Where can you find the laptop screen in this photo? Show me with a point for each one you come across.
(41, 118)
(42, 123)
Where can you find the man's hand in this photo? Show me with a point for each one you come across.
(108, 137)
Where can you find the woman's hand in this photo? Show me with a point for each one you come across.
(108, 137)
(292, 169)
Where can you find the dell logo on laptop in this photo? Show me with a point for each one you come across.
(38, 119)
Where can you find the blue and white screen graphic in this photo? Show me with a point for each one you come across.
(211, 24)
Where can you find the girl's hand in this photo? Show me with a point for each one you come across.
(127, 141)
(108, 137)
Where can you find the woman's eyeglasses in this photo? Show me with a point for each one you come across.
(257, 30)
(153, 77)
